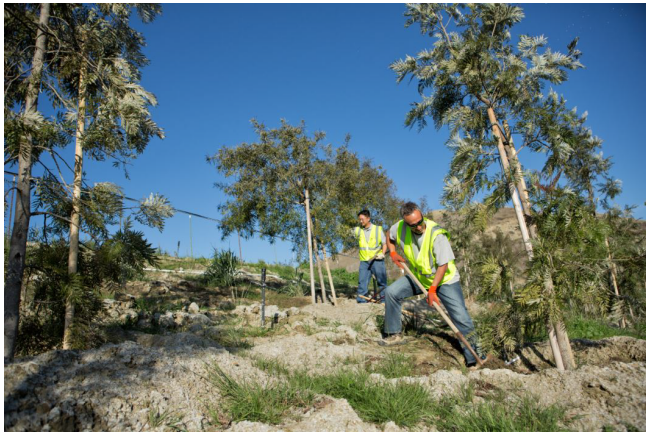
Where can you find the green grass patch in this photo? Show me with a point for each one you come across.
(252, 401)
(175, 263)
(379, 321)
(394, 365)
(593, 329)
(409, 404)
(496, 414)
(232, 338)
(284, 271)
(341, 276)
(402, 403)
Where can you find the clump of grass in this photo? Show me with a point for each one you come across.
(593, 329)
(394, 365)
(379, 321)
(408, 404)
(402, 403)
(352, 360)
(322, 321)
(497, 414)
(358, 326)
(167, 418)
(272, 366)
(249, 400)
(232, 338)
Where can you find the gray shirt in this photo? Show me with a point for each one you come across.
(441, 248)
(366, 231)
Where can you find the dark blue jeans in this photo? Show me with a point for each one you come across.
(366, 269)
(451, 296)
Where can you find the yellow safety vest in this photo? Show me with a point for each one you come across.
(369, 248)
(424, 267)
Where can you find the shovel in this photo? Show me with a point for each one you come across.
(446, 318)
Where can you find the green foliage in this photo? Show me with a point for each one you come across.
(489, 90)
(394, 365)
(379, 321)
(223, 270)
(501, 328)
(410, 404)
(595, 329)
(167, 418)
(254, 401)
(563, 272)
(498, 415)
(342, 277)
(101, 269)
(273, 176)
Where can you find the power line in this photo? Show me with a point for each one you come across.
(175, 210)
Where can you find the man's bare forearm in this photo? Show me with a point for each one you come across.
(440, 273)
(389, 243)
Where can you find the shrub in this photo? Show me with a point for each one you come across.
(222, 271)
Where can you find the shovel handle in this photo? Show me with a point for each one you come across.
(446, 318)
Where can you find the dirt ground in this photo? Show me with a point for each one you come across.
(162, 372)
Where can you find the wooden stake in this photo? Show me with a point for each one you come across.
(329, 274)
(320, 272)
(311, 259)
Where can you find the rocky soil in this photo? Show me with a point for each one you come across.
(155, 376)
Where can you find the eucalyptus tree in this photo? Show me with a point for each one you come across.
(350, 184)
(288, 182)
(487, 90)
(626, 258)
(274, 179)
(28, 121)
(580, 162)
(99, 85)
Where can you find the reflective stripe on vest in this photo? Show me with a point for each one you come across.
(369, 248)
(424, 266)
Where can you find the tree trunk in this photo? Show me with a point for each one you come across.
(18, 243)
(73, 255)
(565, 345)
(555, 348)
(556, 335)
(561, 336)
(311, 259)
(329, 275)
(521, 182)
(11, 205)
(516, 202)
(320, 272)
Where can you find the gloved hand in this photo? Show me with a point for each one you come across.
(397, 259)
(432, 296)
(379, 256)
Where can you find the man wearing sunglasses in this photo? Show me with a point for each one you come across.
(372, 247)
(431, 259)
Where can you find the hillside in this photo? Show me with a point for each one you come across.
(183, 356)
(504, 220)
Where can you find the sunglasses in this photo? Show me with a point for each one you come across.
(415, 225)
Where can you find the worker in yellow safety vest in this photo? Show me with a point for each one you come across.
(428, 251)
(372, 248)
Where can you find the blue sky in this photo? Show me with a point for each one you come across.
(214, 67)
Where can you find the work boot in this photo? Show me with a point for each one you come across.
(474, 366)
(392, 340)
